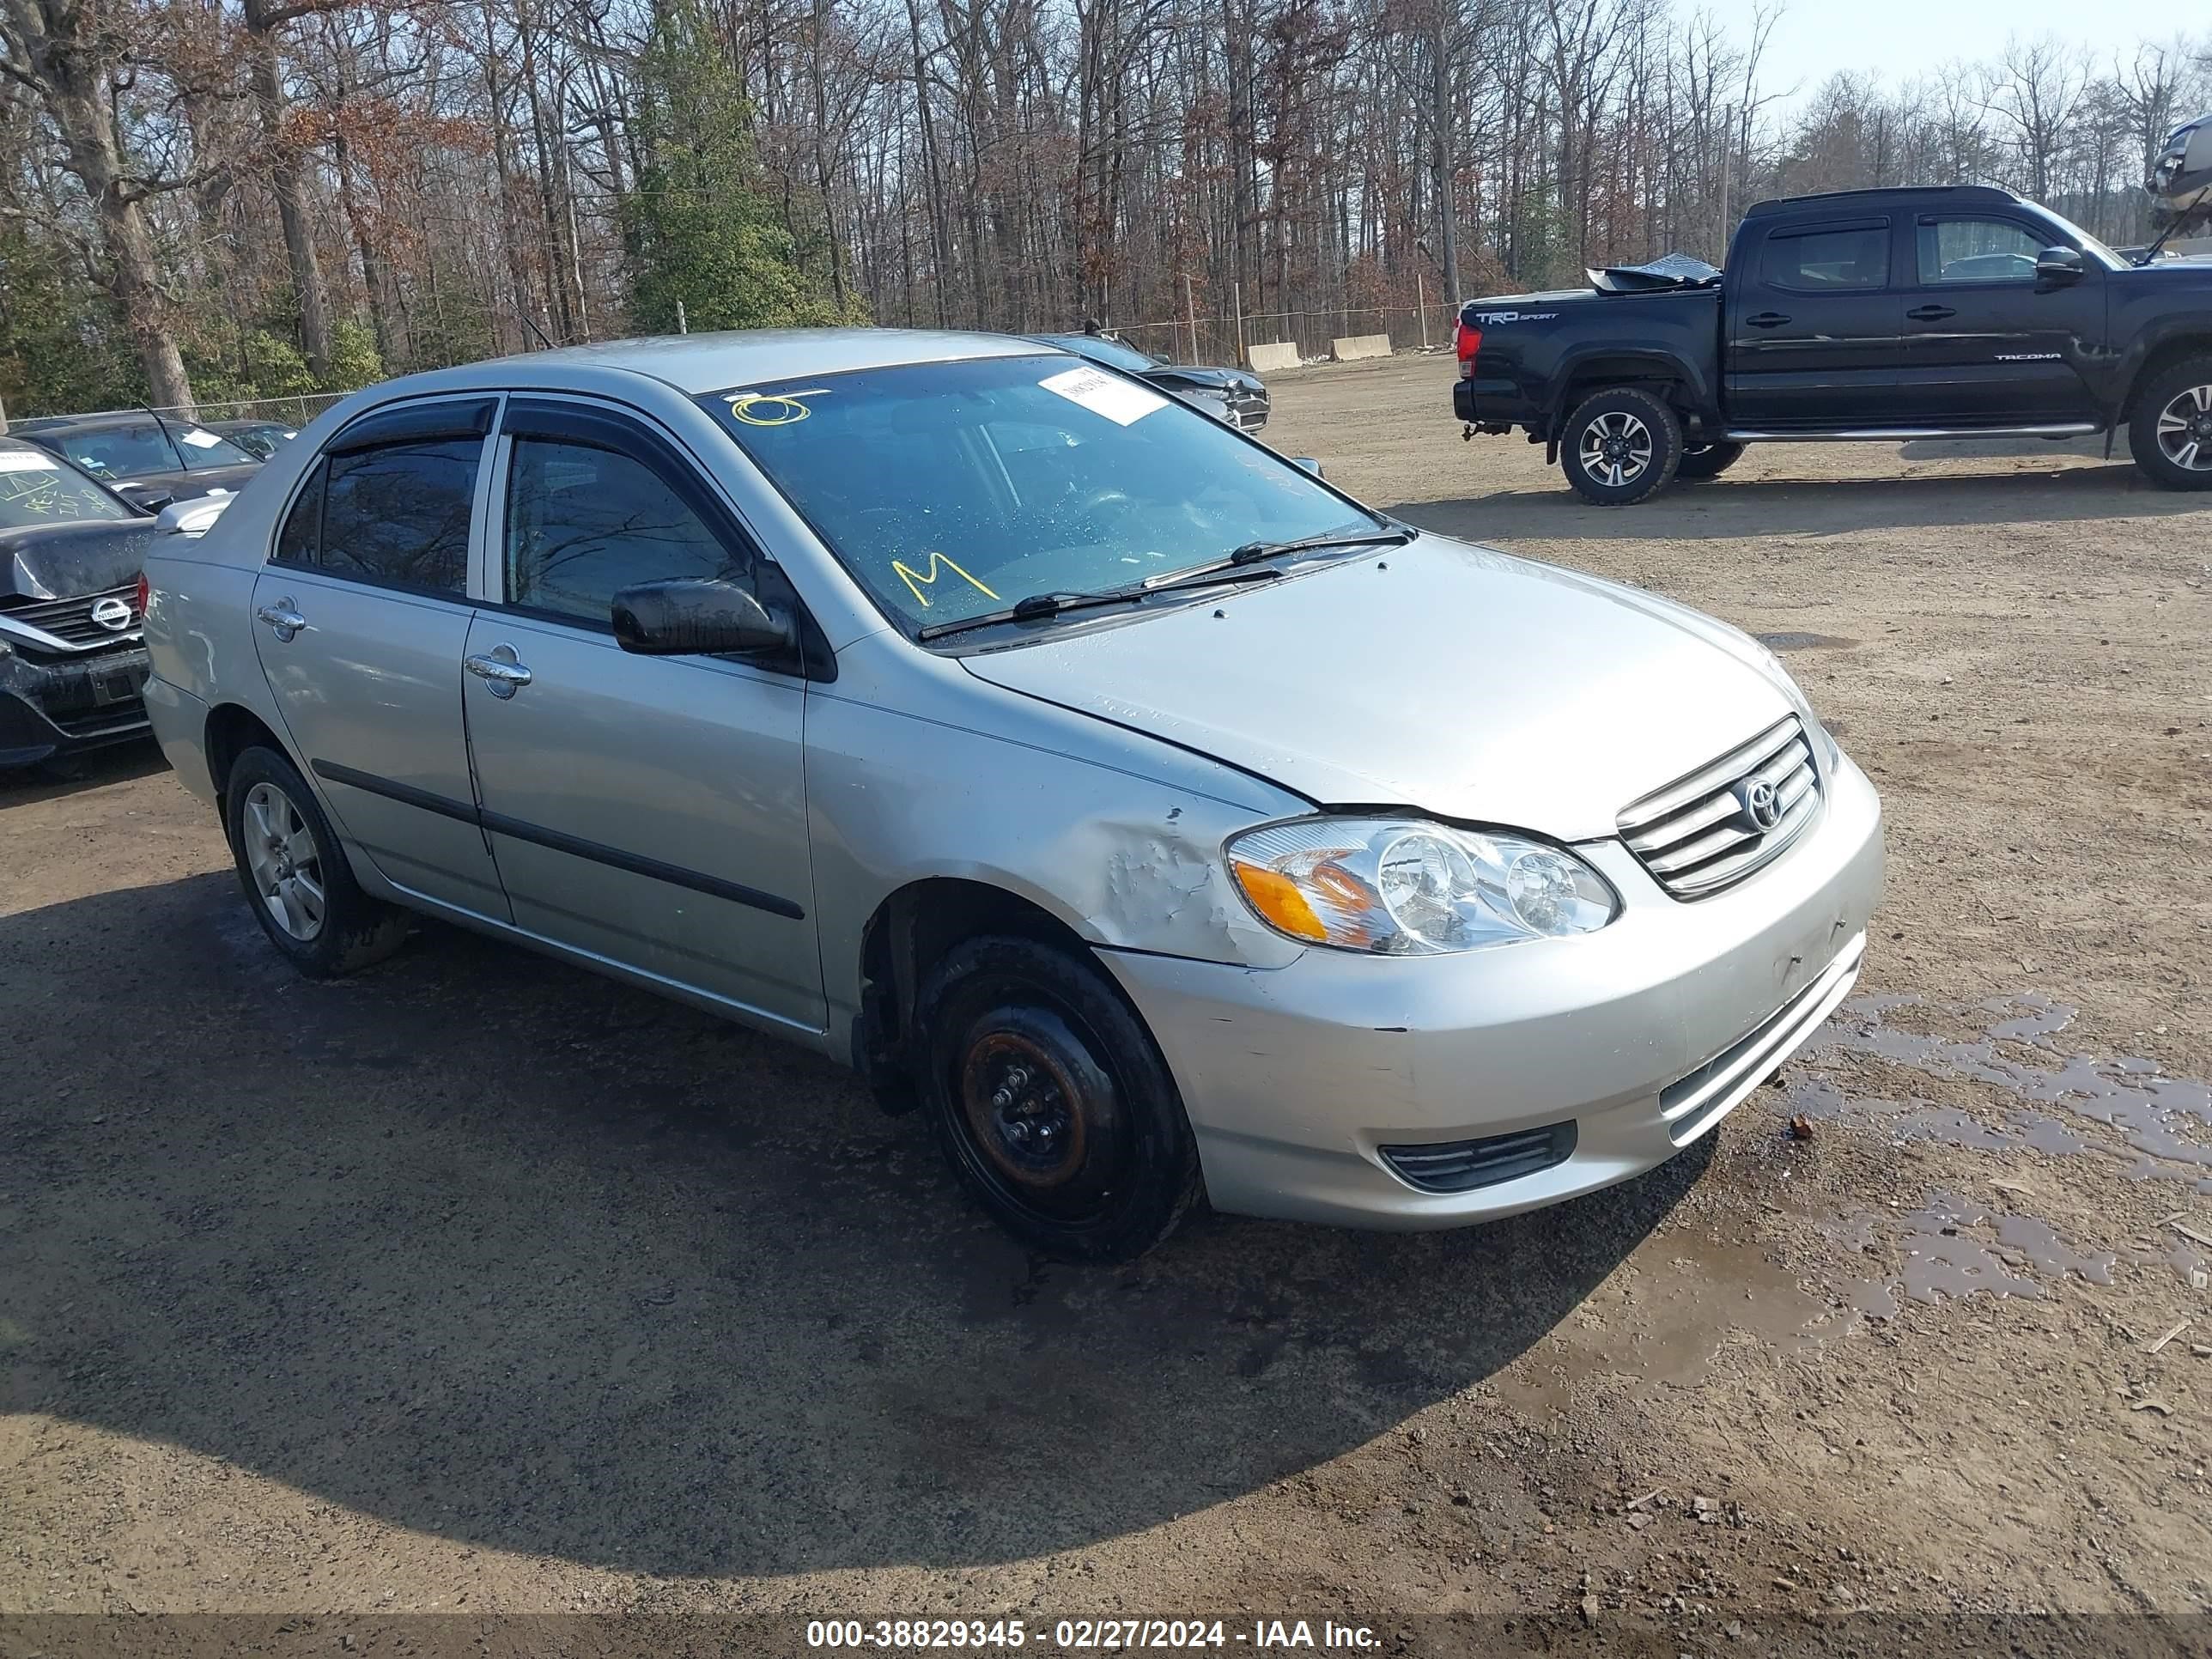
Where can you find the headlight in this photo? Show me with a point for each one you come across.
(1404, 887)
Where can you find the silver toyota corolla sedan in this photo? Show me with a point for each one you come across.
(1153, 817)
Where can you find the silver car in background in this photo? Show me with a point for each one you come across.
(1154, 817)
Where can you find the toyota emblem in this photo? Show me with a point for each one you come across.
(1762, 807)
(112, 615)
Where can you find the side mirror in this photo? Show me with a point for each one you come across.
(2056, 267)
(698, 616)
(152, 497)
(1308, 463)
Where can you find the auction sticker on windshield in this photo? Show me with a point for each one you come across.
(198, 439)
(23, 461)
(1103, 394)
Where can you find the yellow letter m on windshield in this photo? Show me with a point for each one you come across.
(916, 581)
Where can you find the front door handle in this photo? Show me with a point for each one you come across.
(283, 620)
(1930, 313)
(501, 674)
(1767, 319)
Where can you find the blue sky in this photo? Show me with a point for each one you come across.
(1901, 39)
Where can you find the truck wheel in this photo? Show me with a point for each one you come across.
(1703, 461)
(1052, 1101)
(1620, 446)
(2172, 432)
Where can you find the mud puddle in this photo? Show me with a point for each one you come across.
(1665, 1318)
(2163, 1119)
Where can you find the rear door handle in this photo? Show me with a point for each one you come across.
(1930, 313)
(282, 621)
(1767, 319)
(501, 674)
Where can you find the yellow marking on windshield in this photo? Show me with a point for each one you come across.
(915, 580)
(772, 409)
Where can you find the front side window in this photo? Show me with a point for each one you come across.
(1830, 260)
(583, 523)
(396, 515)
(35, 489)
(1977, 250)
(956, 489)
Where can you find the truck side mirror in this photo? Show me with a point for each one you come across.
(2057, 267)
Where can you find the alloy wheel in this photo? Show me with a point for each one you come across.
(1616, 447)
(282, 858)
(2185, 430)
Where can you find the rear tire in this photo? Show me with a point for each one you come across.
(1620, 446)
(295, 874)
(2171, 433)
(1051, 1101)
(1702, 461)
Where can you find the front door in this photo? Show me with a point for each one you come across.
(1985, 342)
(1812, 329)
(362, 618)
(649, 811)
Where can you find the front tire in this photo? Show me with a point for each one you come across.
(1702, 461)
(1052, 1102)
(1620, 446)
(2171, 433)
(295, 874)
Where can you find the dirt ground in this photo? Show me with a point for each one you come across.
(478, 1287)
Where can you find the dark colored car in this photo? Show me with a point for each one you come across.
(259, 439)
(1228, 394)
(149, 460)
(1880, 315)
(72, 660)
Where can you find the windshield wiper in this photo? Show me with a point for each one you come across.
(1252, 552)
(1035, 608)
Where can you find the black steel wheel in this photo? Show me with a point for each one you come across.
(1052, 1101)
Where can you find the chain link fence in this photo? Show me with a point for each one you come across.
(1225, 340)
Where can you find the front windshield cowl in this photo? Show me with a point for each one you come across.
(955, 490)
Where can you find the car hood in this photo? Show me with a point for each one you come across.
(63, 561)
(1227, 380)
(1449, 678)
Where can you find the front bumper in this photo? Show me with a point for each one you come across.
(56, 705)
(1643, 1035)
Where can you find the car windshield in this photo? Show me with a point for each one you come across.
(135, 450)
(35, 489)
(952, 489)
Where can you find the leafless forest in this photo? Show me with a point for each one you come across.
(206, 201)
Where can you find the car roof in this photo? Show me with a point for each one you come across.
(92, 422)
(697, 363)
(1984, 195)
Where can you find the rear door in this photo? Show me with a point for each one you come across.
(362, 619)
(1985, 343)
(648, 810)
(1813, 328)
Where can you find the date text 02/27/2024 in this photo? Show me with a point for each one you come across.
(1085, 1635)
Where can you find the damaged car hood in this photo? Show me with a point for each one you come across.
(62, 561)
(1440, 676)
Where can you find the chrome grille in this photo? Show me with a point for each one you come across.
(69, 622)
(1697, 836)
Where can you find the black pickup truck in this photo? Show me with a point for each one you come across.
(1958, 312)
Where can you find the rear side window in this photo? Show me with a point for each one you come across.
(397, 514)
(1832, 259)
(296, 544)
